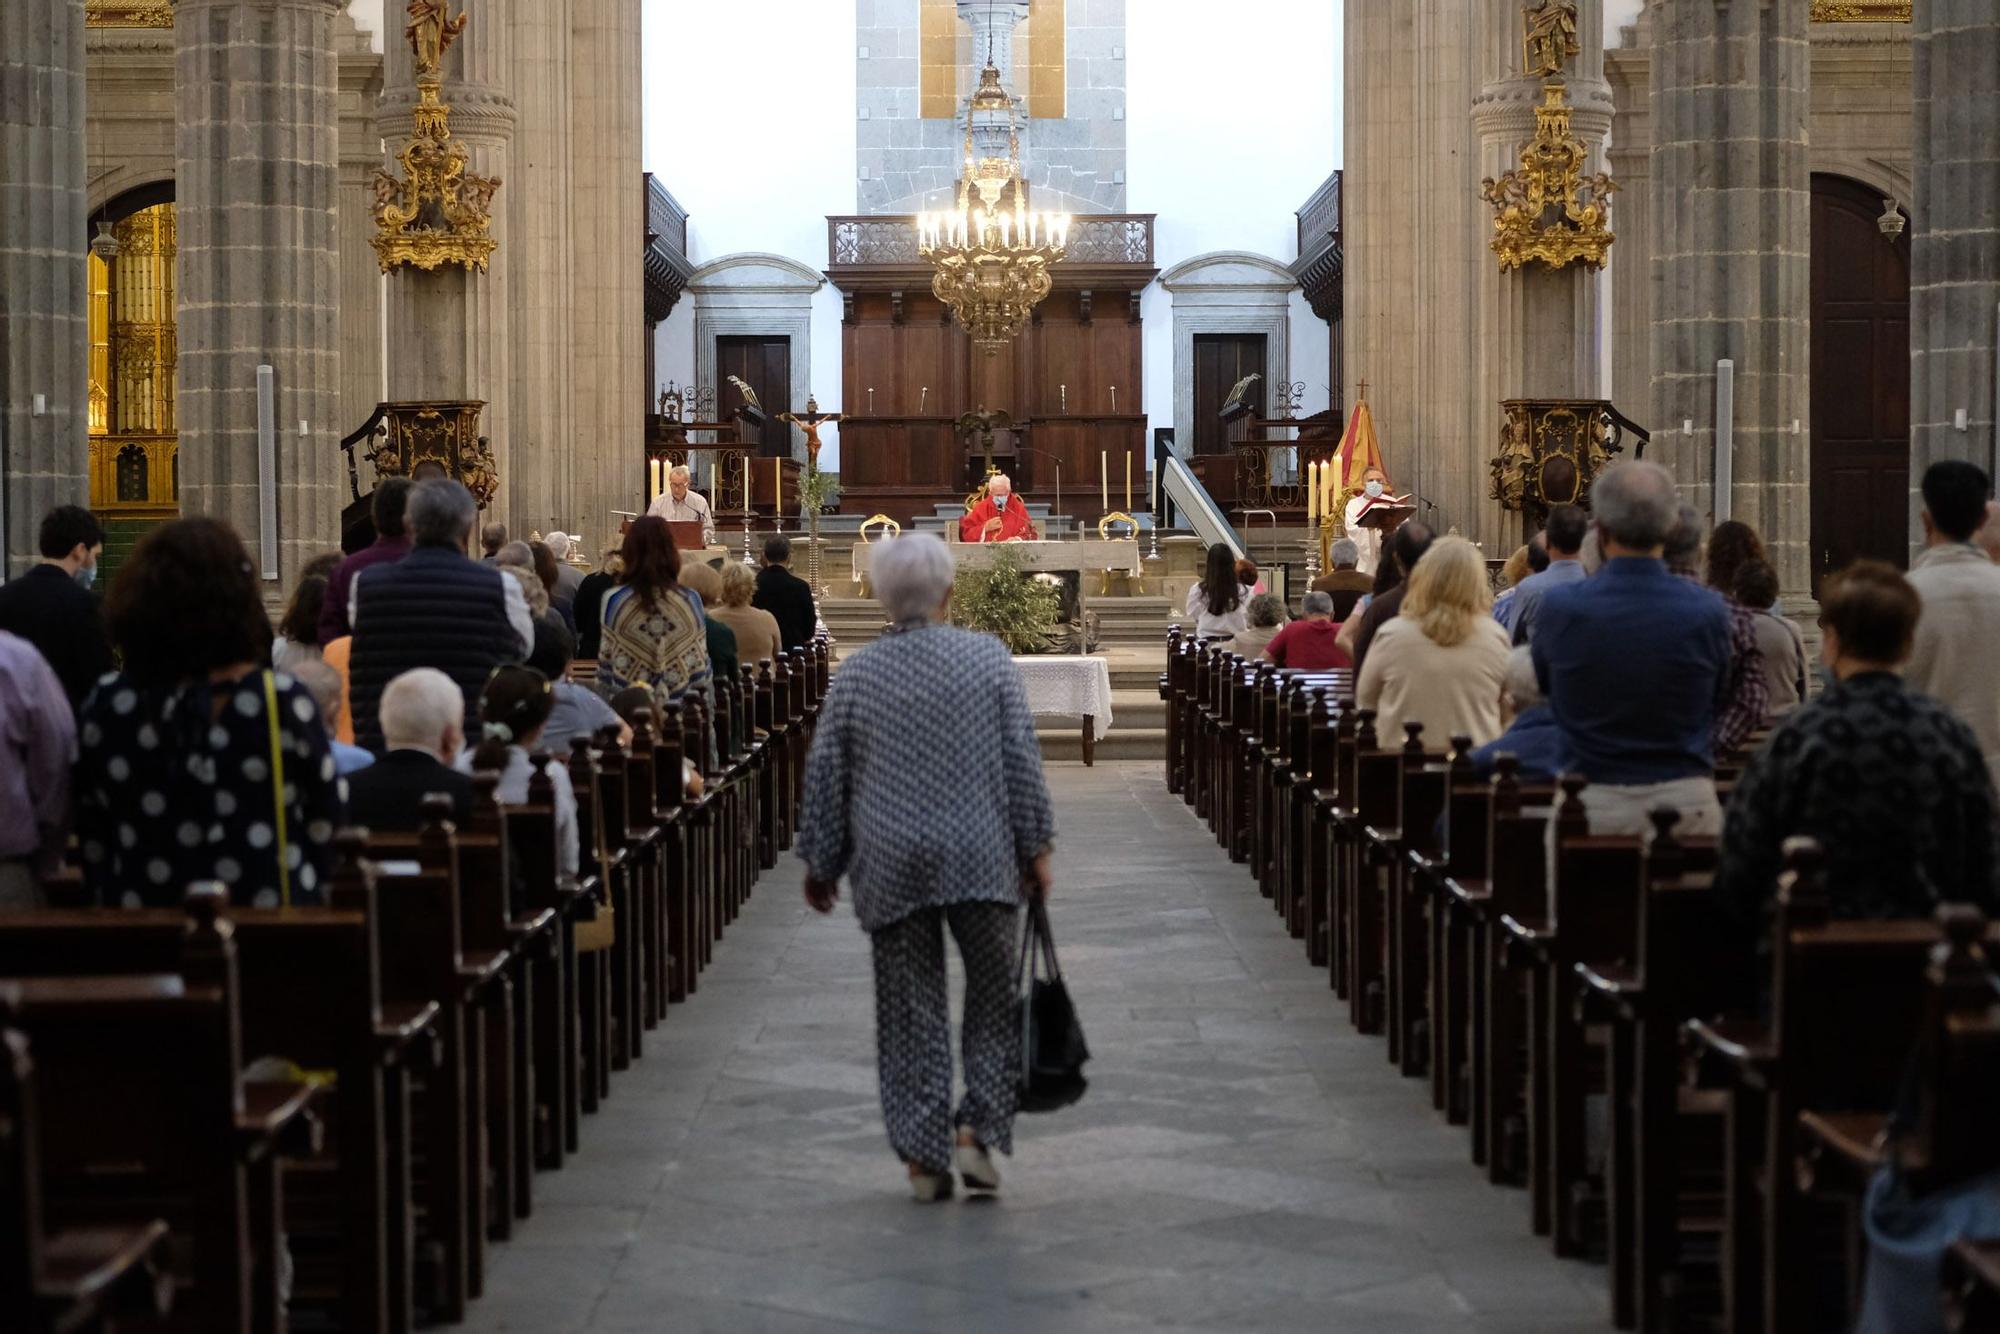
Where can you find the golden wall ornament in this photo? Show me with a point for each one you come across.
(436, 212)
(1861, 11)
(1547, 209)
(1548, 38)
(128, 13)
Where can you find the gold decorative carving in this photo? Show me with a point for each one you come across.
(1548, 209)
(1118, 516)
(1548, 38)
(882, 521)
(441, 432)
(128, 13)
(1550, 452)
(1861, 11)
(436, 212)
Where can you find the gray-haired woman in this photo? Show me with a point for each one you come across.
(924, 787)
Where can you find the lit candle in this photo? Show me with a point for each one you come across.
(1312, 493)
(652, 480)
(1104, 477)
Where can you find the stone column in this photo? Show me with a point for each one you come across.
(1538, 325)
(1732, 273)
(993, 34)
(1955, 241)
(605, 455)
(44, 296)
(449, 329)
(1631, 159)
(360, 272)
(537, 200)
(256, 177)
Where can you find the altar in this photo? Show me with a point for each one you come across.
(1092, 556)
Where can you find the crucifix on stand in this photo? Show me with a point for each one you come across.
(810, 421)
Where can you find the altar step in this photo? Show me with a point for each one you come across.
(1138, 727)
(1123, 622)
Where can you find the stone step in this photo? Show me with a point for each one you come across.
(1146, 743)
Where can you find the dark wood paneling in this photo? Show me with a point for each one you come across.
(1860, 380)
(765, 364)
(1220, 360)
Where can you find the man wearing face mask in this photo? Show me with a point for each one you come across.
(1374, 485)
(51, 605)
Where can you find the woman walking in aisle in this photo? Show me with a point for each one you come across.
(930, 841)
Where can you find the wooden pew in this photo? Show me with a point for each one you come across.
(1421, 791)
(1458, 849)
(64, 1279)
(1972, 1287)
(1359, 894)
(144, 1112)
(634, 907)
(593, 935)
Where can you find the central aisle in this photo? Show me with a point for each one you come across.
(1243, 1160)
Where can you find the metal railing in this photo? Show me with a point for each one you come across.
(890, 240)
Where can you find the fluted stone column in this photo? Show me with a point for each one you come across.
(44, 297)
(256, 178)
(1732, 212)
(360, 272)
(1628, 69)
(607, 232)
(1955, 241)
(1539, 325)
(537, 200)
(449, 329)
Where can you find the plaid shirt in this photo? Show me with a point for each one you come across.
(1746, 697)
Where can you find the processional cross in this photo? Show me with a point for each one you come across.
(984, 422)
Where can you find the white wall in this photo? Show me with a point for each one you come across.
(367, 15)
(1618, 13)
(749, 121)
(1230, 127)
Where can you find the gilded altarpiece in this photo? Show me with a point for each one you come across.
(134, 352)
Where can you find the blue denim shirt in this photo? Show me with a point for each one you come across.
(1528, 599)
(1632, 661)
(1533, 738)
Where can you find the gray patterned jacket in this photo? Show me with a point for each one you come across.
(924, 785)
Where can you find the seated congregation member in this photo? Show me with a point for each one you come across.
(568, 577)
(1265, 616)
(550, 573)
(1311, 643)
(423, 723)
(590, 593)
(198, 762)
(787, 597)
(1441, 661)
(491, 539)
(297, 640)
(1746, 701)
(37, 748)
(1779, 645)
(1533, 737)
(391, 544)
(50, 605)
(577, 710)
(1512, 574)
(1634, 663)
(323, 683)
(1344, 582)
(1405, 547)
(513, 709)
(1890, 783)
(654, 631)
(635, 705)
(998, 516)
(1218, 603)
(1987, 536)
(1247, 575)
(1564, 535)
(434, 608)
(704, 581)
(757, 637)
(546, 621)
(890, 803)
(1958, 636)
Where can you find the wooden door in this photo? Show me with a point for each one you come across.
(1860, 380)
(765, 364)
(1220, 360)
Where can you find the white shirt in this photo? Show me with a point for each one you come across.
(692, 510)
(1210, 626)
(510, 592)
(1369, 540)
(513, 791)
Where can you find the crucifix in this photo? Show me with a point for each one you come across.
(810, 421)
(984, 421)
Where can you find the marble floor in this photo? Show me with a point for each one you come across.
(1243, 1160)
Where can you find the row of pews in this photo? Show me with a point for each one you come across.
(224, 1119)
(1701, 1118)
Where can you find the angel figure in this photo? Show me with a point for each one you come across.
(1550, 39)
(431, 30)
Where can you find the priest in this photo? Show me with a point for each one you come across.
(1000, 517)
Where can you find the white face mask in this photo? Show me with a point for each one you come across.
(1373, 488)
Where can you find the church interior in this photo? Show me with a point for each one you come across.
(1386, 1036)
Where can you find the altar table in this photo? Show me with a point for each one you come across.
(1094, 554)
(1070, 687)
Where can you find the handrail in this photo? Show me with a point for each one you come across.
(1623, 424)
(1189, 497)
(348, 442)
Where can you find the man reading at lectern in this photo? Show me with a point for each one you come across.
(1374, 485)
(679, 503)
(1000, 517)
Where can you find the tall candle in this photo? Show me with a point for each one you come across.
(778, 490)
(1104, 477)
(652, 480)
(1114, 400)
(1128, 481)
(1312, 493)
(747, 505)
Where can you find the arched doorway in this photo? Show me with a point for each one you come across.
(134, 355)
(1860, 379)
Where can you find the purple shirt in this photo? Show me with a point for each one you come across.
(333, 612)
(37, 748)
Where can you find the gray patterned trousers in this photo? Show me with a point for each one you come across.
(913, 1029)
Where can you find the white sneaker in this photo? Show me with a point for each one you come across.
(975, 1168)
(930, 1187)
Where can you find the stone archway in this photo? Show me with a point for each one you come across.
(755, 294)
(1226, 292)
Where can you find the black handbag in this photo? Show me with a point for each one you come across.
(1052, 1047)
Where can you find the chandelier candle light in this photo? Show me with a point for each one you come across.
(992, 254)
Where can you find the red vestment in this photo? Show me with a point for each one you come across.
(1014, 523)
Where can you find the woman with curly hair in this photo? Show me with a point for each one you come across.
(197, 761)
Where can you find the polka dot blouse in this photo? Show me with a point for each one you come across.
(174, 784)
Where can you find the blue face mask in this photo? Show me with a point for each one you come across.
(85, 576)
(1373, 488)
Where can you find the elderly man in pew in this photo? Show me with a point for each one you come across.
(423, 727)
(1635, 663)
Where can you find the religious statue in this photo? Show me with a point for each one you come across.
(984, 422)
(1550, 39)
(431, 32)
(809, 421)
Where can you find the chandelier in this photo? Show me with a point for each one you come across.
(992, 255)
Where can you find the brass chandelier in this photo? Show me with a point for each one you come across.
(992, 254)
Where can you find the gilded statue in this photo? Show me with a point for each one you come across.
(1550, 38)
(431, 32)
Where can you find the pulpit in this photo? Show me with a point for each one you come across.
(1551, 449)
(399, 438)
